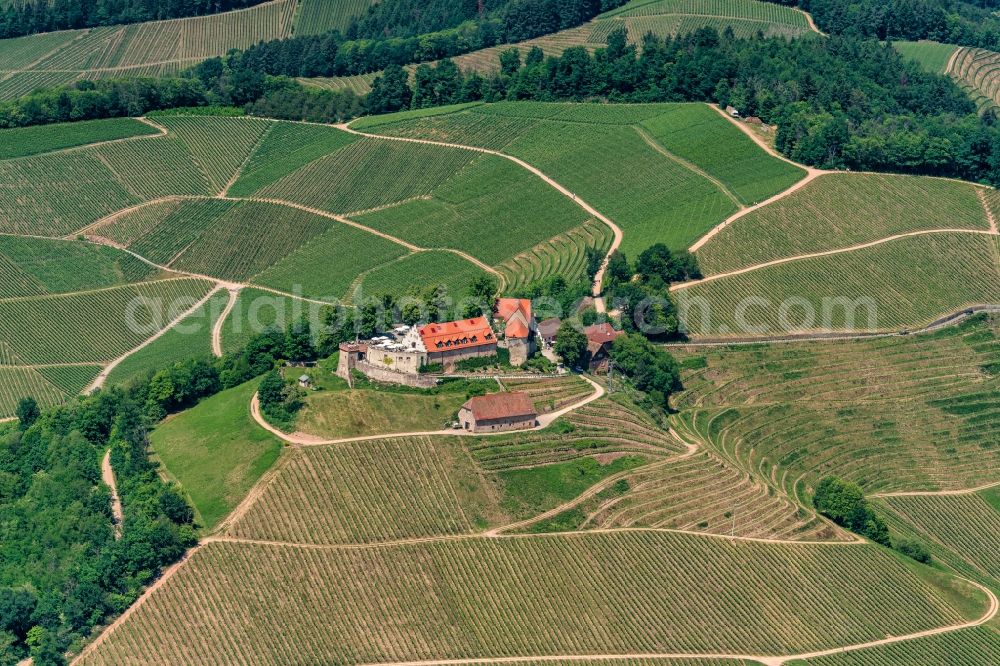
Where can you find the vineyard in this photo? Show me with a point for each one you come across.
(142, 49)
(287, 147)
(48, 385)
(190, 338)
(602, 428)
(507, 596)
(35, 267)
(257, 310)
(841, 210)
(661, 17)
(219, 145)
(966, 525)
(970, 647)
(872, 411)
(699, 493)
(626, 172)
(93, 326)
(25, 141)
(416, 272)
(331, 264)
(318, 16)
(903, 284)
(373, 491)
(468, 211)
(978, 72)
(563, 255)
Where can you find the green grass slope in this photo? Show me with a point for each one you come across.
(216, 452)
(932, 56)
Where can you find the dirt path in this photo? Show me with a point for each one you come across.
(234, 293)
(827, 253)
(599, 304)
(108, 476)
(940, 493)
(812, 174)
(103, 376)
(990, 217)
(811, 22)
(690, 166)
(304, 439)
(951, 61)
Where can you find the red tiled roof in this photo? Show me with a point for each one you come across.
(457, 334)
(601, 333)
(501, 406)
(516, 314)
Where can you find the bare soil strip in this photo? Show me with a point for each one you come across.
(990, 217)
(826, 253)
(234, 293)
(940, 493)
(108, 476)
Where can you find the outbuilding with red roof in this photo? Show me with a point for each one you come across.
(498, 412)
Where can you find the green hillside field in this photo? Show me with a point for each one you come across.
(625, 160)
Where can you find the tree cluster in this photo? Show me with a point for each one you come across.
(648, 367)
(62, 571)
(26, 17)
(844, 503)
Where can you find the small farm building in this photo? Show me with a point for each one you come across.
(599, 339)
(498, 412)
(548, 329)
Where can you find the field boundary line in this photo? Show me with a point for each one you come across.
(690, 166)
(103, 375)
(10, 73)
(66, 294)
(599, 304)
(594, 490)
(253, 151)
(827, 253)
(162, 132)
(234, 293)
(375, 232)
(948, 320)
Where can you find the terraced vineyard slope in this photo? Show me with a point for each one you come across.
(978, 71)
(893, 414)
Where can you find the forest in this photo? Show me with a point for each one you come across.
(962, 22)
(26, 17)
